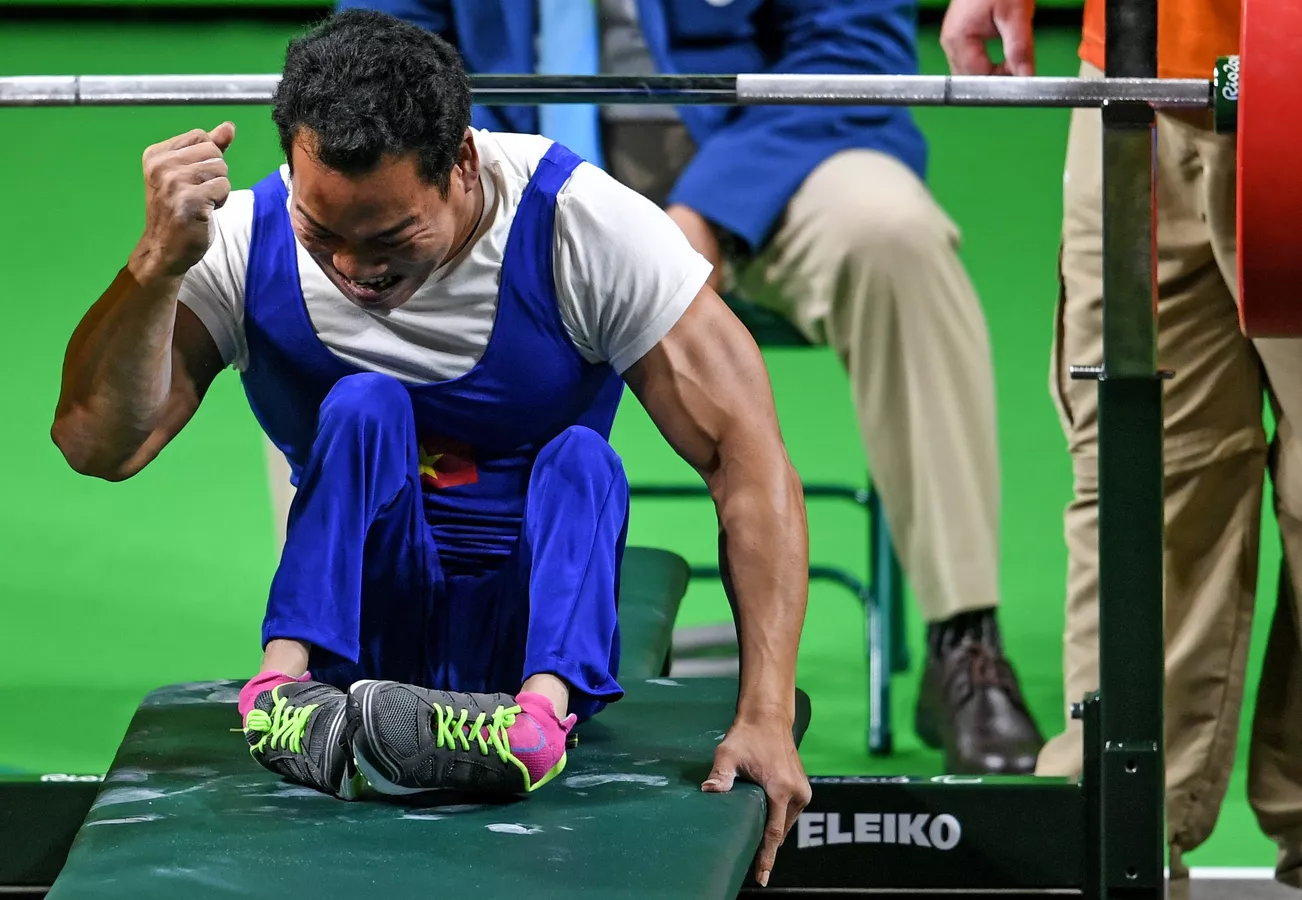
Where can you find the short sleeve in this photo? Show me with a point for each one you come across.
(624, 271)
(213, 289)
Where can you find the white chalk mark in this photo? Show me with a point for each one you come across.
(129, 775)
(513, 829)
(137, 795)
(126, 820)
(582, 781)
(645, 762)
(422, 818)
(128, 795)
(667, 682)
(204, 876)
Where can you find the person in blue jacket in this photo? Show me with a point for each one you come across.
(821, 214)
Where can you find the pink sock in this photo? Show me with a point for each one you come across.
(538, 736)
(264, 682)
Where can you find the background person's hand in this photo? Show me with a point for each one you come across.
(970, 24)
(185, 180)
(764, 752)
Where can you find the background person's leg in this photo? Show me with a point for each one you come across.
(282, 491)
(1275, 754)
(1214, 458)
(867, 262)
(1275, 750)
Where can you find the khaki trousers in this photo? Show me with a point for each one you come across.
(1216, 457)
(282, 492)
(865, 261)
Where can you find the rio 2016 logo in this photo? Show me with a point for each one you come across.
(1230, 90)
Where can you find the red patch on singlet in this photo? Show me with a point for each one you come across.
(446, 462)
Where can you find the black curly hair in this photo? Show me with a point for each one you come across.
(368, 85)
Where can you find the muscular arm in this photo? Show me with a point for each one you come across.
(138, 363)
(135, 370)
(706, 388)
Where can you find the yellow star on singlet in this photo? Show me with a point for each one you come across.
(427, 463)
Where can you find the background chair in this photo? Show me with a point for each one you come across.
(881, 594)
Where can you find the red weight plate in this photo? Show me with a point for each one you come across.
(1269, 175)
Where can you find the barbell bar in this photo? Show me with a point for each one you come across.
(719, 90)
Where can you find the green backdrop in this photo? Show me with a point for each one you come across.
(109, 590)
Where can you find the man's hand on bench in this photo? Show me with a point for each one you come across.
(763, 750)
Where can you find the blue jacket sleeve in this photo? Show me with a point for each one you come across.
(750, 164)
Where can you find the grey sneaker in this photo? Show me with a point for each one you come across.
(302, 732)
(410, 740)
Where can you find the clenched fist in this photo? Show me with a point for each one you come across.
(185, 180)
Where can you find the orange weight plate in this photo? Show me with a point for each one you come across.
(1270, 169)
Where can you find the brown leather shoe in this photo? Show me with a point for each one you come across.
(971, 705)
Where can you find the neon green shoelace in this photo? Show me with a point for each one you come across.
(284, 727)
(451, 730)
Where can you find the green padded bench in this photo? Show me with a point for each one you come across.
(184, 812)
(651, 587)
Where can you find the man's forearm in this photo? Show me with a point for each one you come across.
(117, 373)
(764, 559)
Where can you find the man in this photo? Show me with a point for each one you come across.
(1215, 444)
(431, 323)
(820, 213)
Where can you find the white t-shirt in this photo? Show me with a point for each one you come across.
(624, 274)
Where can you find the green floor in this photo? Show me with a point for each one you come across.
(110, 590)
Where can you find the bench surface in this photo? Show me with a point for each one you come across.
(185, 812)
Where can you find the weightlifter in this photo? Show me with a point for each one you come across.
(1216, 450)
(435, 325)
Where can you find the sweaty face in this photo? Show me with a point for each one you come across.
(378, 236)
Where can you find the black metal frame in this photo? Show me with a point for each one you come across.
(1124, 752)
